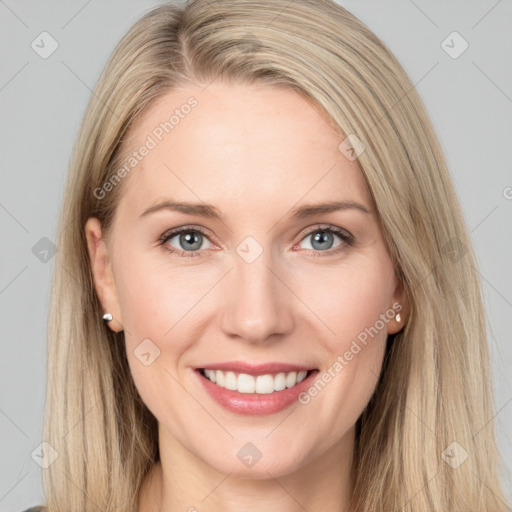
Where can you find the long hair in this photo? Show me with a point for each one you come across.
(425, 441)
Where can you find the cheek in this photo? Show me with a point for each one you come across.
(352, 304)
(162, 304)
(350, 299)
(157, 302)
(158, 295)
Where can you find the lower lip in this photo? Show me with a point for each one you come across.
(253, 403)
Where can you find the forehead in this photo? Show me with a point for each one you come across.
(250, 146)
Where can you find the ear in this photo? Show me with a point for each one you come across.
(399, 304)
(102, 272)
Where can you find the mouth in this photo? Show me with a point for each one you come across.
(255, 390)
(263, 384)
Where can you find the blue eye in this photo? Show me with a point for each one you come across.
(189, 241)
(322, 240)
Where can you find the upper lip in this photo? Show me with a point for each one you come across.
(256, 369)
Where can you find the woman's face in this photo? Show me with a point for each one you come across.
(263, 273)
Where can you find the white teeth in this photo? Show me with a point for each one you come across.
(230, 382)
(280, 382)
(301, 375)
(291, 379)
(262, 384)
(246, 383)
(210, 374)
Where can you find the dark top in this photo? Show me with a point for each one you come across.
(34, 509)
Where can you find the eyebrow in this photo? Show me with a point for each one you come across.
(298, 213)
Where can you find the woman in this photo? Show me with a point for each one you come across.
(265, 295)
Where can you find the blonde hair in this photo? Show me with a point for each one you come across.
(435, 387)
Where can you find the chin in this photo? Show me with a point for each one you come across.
(263, 469)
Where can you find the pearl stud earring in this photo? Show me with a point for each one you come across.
(107, 317)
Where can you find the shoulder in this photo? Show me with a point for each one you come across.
(34, 509)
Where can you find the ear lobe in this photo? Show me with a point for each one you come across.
(400, 305)
(102, 272)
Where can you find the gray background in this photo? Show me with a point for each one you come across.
(42, 100)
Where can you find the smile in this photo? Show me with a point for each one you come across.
(260, 384)
(255, 390)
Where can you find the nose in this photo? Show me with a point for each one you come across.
(258, 305)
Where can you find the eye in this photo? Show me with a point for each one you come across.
(322, 239)
(185, 241)
(188, 241)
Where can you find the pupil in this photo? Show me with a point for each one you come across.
(321, 238)
(191, 240)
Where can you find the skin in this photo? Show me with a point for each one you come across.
(254, 152)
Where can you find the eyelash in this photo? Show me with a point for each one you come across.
(347, 239)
